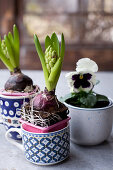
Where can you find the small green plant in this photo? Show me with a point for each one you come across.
(86, 100)
(9, 55)
(52, 59)
(81, 83)
(45, 109)
(9, 50)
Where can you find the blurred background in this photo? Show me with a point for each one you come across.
(86, 24)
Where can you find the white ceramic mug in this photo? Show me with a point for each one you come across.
(90, 126)
(43, 148)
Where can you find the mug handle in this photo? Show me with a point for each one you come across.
(14, 142)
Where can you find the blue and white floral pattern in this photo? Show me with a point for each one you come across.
(9, 109)
(48, 148)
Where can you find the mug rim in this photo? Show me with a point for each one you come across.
(45, 128)
(91, 109)
(16, 97)
(43, 133)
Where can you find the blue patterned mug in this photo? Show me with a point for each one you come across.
(10, 112)
(43, 148)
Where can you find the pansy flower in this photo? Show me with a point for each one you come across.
(83, 79)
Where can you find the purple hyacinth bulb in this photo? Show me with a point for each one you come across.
(44, 101)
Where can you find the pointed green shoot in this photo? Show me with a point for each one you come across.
(6, 61)
(10, 37)
(55, 72)
(47, 42)
(10, 51)
(52, 78)
(62, 51)
(55, 44)
(41, 56)
(57, 76)
(0, 42)
(12, 46)
(16, 44)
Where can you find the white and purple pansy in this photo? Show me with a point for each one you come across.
(83, 81)
(84, 78)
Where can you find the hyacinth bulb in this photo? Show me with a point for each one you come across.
(50, 58)
(45, 101)
(18, 82)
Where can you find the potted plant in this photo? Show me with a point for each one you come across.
(45, 128)
(91, 113)
(19, 87)
(46, 102)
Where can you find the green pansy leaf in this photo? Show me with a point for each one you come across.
(89, 101)
(67, 96)
(101, 98)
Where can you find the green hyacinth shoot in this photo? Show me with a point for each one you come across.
(51, 59)
(9, 49)
(4, 48)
